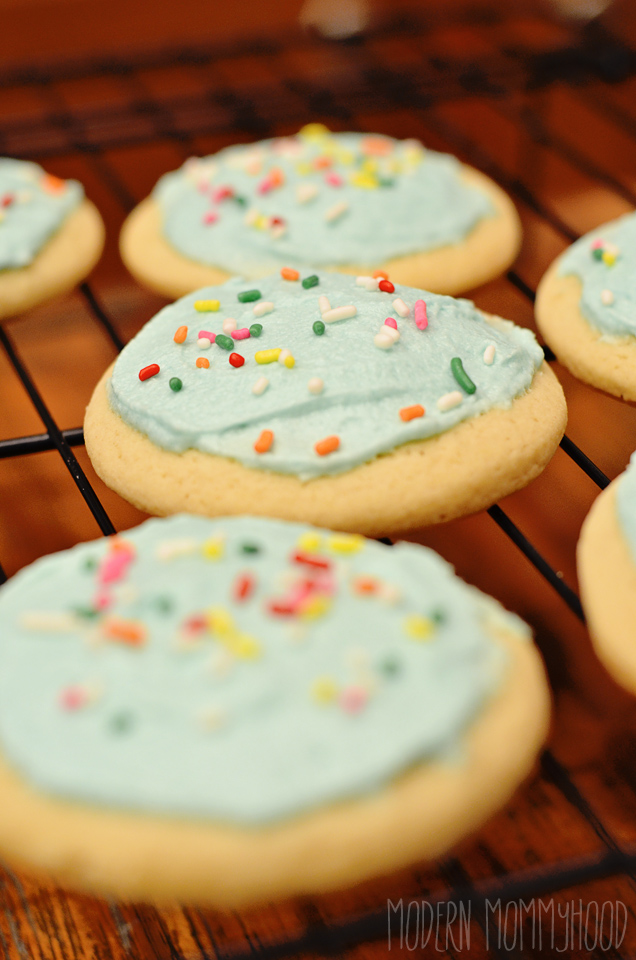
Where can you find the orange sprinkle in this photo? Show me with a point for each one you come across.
(264, 442)
(376, 146)
(181, 334)
(125, 631)
(365, 585)
(287, 273)
(322, 162)
(381, 273)
(202, 362)
(276, 177)
(328, 445)
(410, 413)
(52, 184)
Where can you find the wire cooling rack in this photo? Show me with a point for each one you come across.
(438, 82)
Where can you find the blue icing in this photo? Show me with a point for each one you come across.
(143, 740)
(626, 505)
(365, 387)
(33, 207)
(422, 205)
(617, 318)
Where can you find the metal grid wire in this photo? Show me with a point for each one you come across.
(146, 118)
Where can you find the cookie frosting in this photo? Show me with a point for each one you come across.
(604, 261)
(33, 205)
(626, 505)
(398, 365)
(320, 198)
(239, 669)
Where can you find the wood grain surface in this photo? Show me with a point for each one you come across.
(530, 102)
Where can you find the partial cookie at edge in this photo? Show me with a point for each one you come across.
(66, 259)
(421, 815)
(458, 472)
(487, 252)
(610, 366)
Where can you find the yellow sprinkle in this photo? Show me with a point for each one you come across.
(324, 690)
(345, 157)
(310, 542)
(315, 607)
(343, 543)
(213, 548)
(267, 356)
(243, 646)
(289, 362)
(314, 131)
(369, 166)
(418, 628)
(206, 306)
(303, 168)
(220, 621)
(261, 222)
(609, 258)
(365, 181)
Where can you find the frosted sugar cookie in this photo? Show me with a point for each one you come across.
(240, 710)
(336, 201)
(585, 307)
(607, 575)
(51, 237)
(338, 401)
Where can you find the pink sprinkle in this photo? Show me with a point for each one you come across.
(72, 698)
(207, 334)
(265, 186)
(597, 245)
(102, 600)
(390, 322)
(241, 334)
(195, 624)
(334, 179)
(353, 699)
(421, 320)
(222, 193)
(202, 186)
(210, 217)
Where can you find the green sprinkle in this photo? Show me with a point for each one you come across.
(247, 296)
(256, 329)
(90, 564)
(311, 281)
(250, 548)
(175, 384)
(438, 616)
(319, 328)
(225, 342)
(597, 253)
(385, 182)
(122, 722)
(242, 201)
(164, 604)
(391, 666)
(457, 369)
(87, 613)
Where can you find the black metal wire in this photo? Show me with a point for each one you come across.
(61, 130)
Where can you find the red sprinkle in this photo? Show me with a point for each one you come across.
(150, 371)
(196, 623)
(244, 586)
(311, 559)
(237, 360)
(281, 608)
(7, 200)
(386, 286)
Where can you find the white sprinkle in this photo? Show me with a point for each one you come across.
(204, 343)
(170, 549)
(306, 192)
(390, 593)
(390, 332)
(251, 217)
(229, 324)
(57, 622)
(382, 341)
(212, 718)
(266, 306)
(339, 313)
(282, 356)
(315, 385)
(335, 212)
(260, 386)
(449, 400)
(277, 231)
(369, 283)
(611, 248)
(221, 662)
(607, 297)
(401, 308)
(489, 354)
(323, 304)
